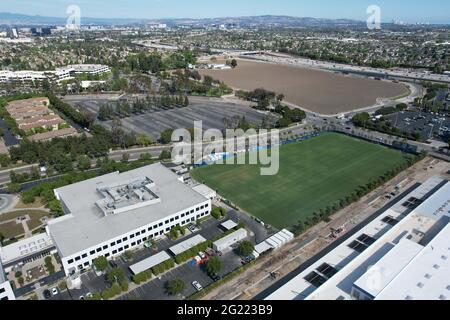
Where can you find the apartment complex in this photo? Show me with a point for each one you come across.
(108, 215)
(402, 254)
(34, 117)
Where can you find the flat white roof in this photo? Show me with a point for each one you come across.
(263, 247)
(25, 248)
(388, 267)
(230, 224)
(86, 226)
(241, 233)
(427, 276)
(149, 263)
(352, 264)
(187, 244)
(205, 191)
(438, 205)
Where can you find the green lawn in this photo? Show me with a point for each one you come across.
(313, 175)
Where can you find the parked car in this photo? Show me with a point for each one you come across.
(216, 277)
(55, 291)
(202, 255)
(197, 286)
(113, 264)
(192, 228)
(47, 294)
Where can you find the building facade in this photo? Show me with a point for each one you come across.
(109, 215)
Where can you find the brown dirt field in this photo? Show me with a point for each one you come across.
(315, 90)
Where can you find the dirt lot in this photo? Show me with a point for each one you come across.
(318, 91)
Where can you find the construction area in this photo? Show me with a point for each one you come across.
(281, 263)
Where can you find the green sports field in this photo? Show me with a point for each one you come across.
(313, 174)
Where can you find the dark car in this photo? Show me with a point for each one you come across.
(47, 294)
(216, 277)
(113, 264)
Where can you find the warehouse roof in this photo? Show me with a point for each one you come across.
(87, 225)
(426, 277)
(388, 267)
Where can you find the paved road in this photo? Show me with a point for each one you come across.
(8, 136)
(6, 202)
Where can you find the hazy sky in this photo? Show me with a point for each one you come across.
(434, 11)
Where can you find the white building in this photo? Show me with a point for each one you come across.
(58, 75)
(22, 76)
(226, 242)
(218, 66)
(274, 242)
(26, 250)
(27, 76)
(108, 215)
(93, 69)
(403, 254)
(6, 292)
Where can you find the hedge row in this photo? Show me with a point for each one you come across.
(189, 254)
(164, 266)
(142, 277)
(115, 290)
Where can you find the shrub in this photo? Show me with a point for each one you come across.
(100, 263)
(175, 286)
(142, 277)
(246, 248)
(111, 292)
(49, 265)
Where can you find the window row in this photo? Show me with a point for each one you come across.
(142, 232)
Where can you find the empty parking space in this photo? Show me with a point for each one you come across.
(209, 110)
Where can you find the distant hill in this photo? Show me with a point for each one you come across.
(268, 20)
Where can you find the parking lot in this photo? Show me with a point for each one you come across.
(428, 125)
(211, 111)
(154, 290)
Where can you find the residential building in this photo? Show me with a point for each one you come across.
(108, 215)
(50, 122)
(62, 133)
(34, 115)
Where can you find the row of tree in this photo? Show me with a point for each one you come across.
(124, 109)
(325, 213)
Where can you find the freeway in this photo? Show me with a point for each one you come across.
(365, 71)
